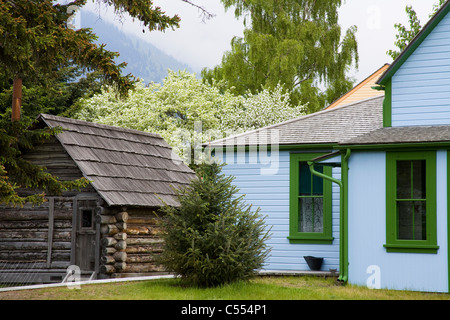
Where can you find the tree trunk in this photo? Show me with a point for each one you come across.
(17, 99)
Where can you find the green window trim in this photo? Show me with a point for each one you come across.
(393, 201)
(296, 236)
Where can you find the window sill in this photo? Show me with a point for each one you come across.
(310, 240)
(433, 249)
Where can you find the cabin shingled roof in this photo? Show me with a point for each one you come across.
(324, 127)
(127, 167)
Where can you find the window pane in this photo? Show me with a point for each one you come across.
(318, 215)
(310, 215)
(404, 179)
(405, 218)
(411, 217)
(305, 180)
(420, 222)
(419, 179)
(318, 182)
(86, 219)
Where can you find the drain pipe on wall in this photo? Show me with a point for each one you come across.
(343, 248)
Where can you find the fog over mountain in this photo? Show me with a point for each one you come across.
(144, 60)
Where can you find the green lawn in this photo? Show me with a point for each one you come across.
(260, 288)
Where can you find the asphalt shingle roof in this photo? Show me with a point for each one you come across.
(126, 167)
(327, 126)
(407, 134)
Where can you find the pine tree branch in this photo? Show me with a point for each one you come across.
(205, 14)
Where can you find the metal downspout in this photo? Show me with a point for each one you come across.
(343, 249)
(344, 217)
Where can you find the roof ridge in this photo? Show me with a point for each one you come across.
(97, 125)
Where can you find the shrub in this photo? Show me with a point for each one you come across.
(214, 237)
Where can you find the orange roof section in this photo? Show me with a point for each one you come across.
(361, 91)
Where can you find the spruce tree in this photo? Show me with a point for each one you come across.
(213, 237)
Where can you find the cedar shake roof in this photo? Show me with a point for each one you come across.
(127, 167)
(407, 134)
(324, 127)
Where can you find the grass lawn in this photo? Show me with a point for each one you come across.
(260, 288)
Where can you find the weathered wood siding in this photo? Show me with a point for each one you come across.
(265, 184)
(36, 239)
(57, 162)
(420, 94)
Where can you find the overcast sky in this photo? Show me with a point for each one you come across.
(202, 43)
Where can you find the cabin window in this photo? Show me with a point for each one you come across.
(87, 218)
(310, 202)
(411, 202)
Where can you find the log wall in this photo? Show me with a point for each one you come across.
(131, 240)
(36, 237)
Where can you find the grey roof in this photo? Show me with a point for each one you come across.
(127, 167)
(323, 127)
(407, 134)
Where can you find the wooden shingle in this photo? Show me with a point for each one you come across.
(126, 167)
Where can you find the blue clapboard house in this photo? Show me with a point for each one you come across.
(363, 185)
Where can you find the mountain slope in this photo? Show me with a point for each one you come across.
(144, 60)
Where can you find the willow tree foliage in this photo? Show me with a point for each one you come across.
(405, 34)
(296, 43)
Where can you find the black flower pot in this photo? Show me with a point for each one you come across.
(314, 263)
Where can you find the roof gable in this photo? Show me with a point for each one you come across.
(126, 167)
(361, 91)
(414, 44)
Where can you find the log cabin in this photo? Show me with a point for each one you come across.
(109, 228)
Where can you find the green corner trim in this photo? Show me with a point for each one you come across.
(448, 218)
(387, 105)
(343, 220)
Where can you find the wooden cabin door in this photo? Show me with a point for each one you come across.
(86, 246)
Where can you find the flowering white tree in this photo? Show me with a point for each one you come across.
(260, 110)
(177, 108)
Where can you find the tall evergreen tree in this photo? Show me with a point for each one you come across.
(296, 43)
(36, 45)
(37, 40)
